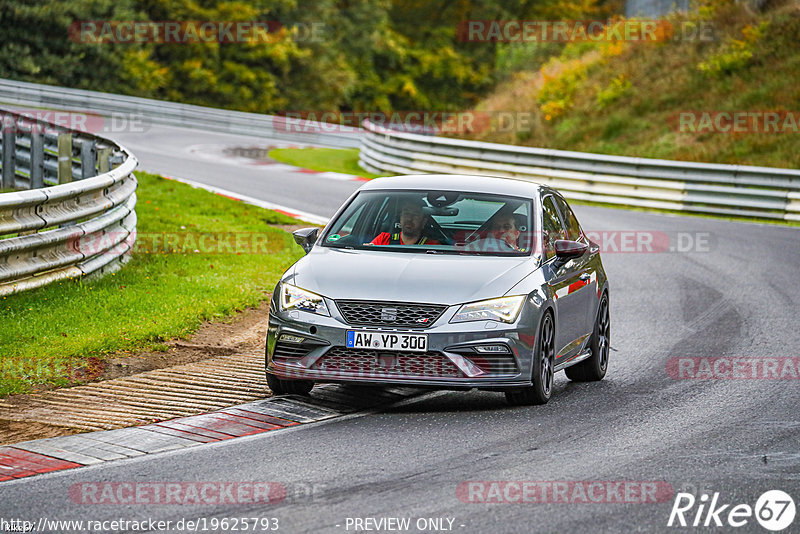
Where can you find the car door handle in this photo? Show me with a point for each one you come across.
(585, 277)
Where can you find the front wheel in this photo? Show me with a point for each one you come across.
(280, 386)
(594, 368)
(542, 376)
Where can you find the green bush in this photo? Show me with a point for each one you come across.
(734, 53)
(618, 88)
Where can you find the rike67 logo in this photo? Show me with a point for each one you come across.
(774, 510)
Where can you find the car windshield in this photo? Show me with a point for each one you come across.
(448, 222)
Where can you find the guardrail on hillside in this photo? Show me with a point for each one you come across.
(83, 223)
(184, 115)
(736, 190)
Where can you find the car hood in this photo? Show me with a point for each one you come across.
(400, 276)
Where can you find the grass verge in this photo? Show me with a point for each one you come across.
(198, 256)
(343, 160)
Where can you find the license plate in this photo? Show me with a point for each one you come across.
(358, 339)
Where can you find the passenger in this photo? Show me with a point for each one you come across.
(505, 228)
(503, 236)
(412, 223)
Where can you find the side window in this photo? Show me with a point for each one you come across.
(571, 222)
(551, 227)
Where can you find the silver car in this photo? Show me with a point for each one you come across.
(454, 282)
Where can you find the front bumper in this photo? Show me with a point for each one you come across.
(302, 345)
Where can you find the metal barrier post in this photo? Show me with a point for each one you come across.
(64, 158)
(37, 158)
(9, 157)
(88, 160)
(103, 163)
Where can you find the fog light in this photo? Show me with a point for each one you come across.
(291, 339)
(492, 349)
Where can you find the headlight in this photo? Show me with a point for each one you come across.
(503, 309)
(295, 298)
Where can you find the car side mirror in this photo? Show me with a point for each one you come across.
(306, 237)
(566, 249)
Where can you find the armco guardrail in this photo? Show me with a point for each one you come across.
(735, 190)
(175, 114)
(83, 223)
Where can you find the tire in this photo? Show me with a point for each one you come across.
(280, 386)
(594, 368)
(542, 375)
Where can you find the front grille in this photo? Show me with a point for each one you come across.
(377, 364)
(361, 312)
(284, 350)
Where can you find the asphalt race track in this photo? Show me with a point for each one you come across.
(727, 290)
(199, 156)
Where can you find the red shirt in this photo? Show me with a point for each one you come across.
(385, 237)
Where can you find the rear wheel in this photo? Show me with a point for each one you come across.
(280, 386)
(542, 376)
(594, 368)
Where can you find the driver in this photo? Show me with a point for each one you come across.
(412, 223)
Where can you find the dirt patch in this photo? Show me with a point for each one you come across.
(16, 431)
(243, 333)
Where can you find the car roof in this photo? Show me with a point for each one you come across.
(455, 182)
